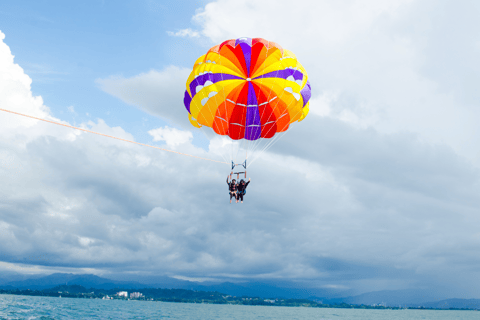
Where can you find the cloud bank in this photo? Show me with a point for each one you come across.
(155, 92)
(376, 189)
(395, 66)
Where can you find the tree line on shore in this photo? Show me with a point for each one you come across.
(185, 296)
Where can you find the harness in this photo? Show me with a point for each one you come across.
(244, 191)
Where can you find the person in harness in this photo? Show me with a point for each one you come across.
(232, 189)
(242, 189)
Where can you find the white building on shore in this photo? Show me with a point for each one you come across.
(135, 295)
(122, 294)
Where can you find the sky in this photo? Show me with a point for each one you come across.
(377, 189)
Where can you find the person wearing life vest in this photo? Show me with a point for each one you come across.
(242, 189)
(232, 189)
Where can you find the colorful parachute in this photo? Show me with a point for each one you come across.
(247, 89)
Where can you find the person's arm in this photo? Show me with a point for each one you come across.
(227, 180)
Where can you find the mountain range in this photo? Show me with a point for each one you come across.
(86, 280)
(394, 298)
(92, 281)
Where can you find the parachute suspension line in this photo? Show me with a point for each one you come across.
(277, 136)
(259, 140)
(268, 99)
(208, 138)
(108, 136)
(246, 157)
(238, 149)
(269, 94)
(275, 139)
(255, 147)
(255, 114)
(270, 144)
(224, 99)
(205, 69)
(246, 144)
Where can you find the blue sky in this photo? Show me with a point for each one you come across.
(378, 188)
(64, 47)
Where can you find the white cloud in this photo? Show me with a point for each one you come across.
(195, 279)
(159, 93)
(172, 137)
(184, 33)
(334, 22)
(15, 91)
(387, 63)
(16, 95)
(350, 198)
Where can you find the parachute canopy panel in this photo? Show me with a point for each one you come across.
(247, 89)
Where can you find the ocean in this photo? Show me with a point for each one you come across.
(47, 308)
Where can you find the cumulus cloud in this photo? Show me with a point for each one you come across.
(15, 90)
(158, 93)
(371, 191)
(385, 64)
(184, 33)
(16, 95)
(336, 22)
(171, 136)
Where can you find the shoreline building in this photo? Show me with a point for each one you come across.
(135, 295)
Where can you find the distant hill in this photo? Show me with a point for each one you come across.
(67, 288)
(251, 289)
(391, 298)
(454, 303)
(85, 280)
(194, 296)
(265, 290)
(7, 277)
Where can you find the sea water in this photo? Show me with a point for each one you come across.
(46, 308)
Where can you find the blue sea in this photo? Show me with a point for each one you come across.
(46, 308)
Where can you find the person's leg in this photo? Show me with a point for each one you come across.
(241, 197)
(231, 195)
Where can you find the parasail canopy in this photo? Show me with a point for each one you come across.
(247, 89)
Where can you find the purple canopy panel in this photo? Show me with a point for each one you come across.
(213, 77)
(284, 74)
(186, 101)
(252, 123)
(246, 46)
(306, 93)
(243, 40)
